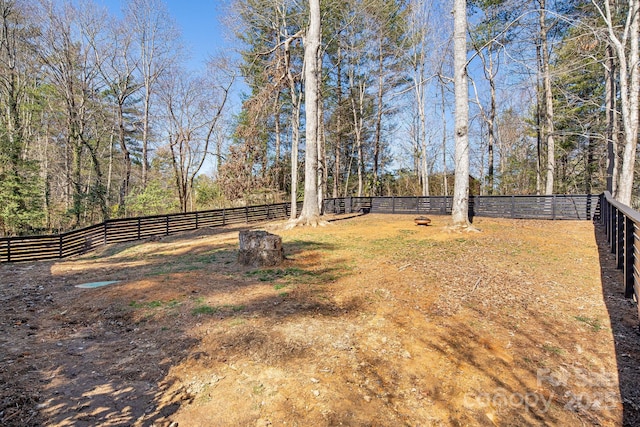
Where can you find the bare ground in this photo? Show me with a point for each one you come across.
(370, 321)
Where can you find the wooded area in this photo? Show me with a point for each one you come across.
(102, 118)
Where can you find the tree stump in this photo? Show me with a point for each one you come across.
(260, 249)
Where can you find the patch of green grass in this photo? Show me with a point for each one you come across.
(283, 294)
(173, 303)
(207, 258)
(204, 309)
(269, 275)
(594, 323)
(235, 308)
(279, 286)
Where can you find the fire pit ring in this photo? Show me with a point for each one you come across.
(422, 220)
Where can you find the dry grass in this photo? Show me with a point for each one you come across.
(370, 321)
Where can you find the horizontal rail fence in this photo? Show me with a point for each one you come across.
(555, 207)
(622, 225)
(31, 248)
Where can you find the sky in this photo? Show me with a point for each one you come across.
(199, 21)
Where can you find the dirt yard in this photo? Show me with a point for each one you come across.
(371, 321)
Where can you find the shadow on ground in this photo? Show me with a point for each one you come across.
(623, 315)
(86, 357)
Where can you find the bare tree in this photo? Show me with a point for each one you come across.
(117, 66)
(296, 104)
(70, 65)
(154, 32)
(419, 25)
(193, 111)
(611, 105)
(626, 45)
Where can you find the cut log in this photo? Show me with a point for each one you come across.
(259, 248)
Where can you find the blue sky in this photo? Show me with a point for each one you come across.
(199, 21)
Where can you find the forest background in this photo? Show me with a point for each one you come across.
(104, 115)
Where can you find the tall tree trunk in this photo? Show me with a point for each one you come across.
(612, 122)
(338, 136)
(539, 123)
(419, 59)
(424, 164)
(322, 158)
(276, 160)
(357, 111)
(296, 100)
(444, 143)
(548, 100)
(491, 127)
(126, 159)
(628, 54)
(590, 165)
(460, 206)
(145, 133)
(310, 209)
(378, 134)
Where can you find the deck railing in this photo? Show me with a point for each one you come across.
(622, 225)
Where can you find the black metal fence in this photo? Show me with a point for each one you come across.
(622, 225)
(554, 207)
(31, 248)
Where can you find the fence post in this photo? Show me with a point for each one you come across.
(513, 207)
(60, 243)
(393, 204)
(197, 220)
(613, 215)
(246, 214)
(620, 239)
(553, 207)
(167, 224)
(8, 250)
(105, 233)
(629, 255)
(138, 228)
